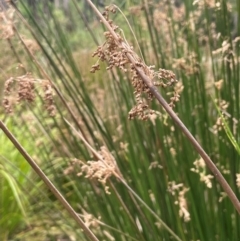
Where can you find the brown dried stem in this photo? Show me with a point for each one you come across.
(169, 110)
(48, 183)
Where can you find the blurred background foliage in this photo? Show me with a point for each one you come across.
(54, 40)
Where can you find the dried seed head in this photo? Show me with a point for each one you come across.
(223, 195)
(48, 98)
(153, 165)
(178, 190)
(238, 179)
(219, 84)
(116, 53)
(23, 87)
(7, 105)
(6, 24)
(101, 169)
(26, 90)
(200, 168)
(8, 85)
(219, 124)
(206, 179)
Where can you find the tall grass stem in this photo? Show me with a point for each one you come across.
(48, 183)
(173, 115)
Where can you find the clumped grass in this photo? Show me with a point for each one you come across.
(157, 186)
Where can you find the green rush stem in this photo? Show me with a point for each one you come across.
(85, 22)
(173, 115)
(48, 183)
(126, 209)
(42, 71)
(98, 156)
(150, 210)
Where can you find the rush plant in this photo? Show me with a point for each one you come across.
(99, 134)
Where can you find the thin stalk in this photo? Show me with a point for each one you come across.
(42, 71)
(173, 115)
(126, 209)
(15, 53)
(113, 229)
(95, 153)
(46, 76)
(85, 22)
(146, 11)
(149, 209)
(48, 183)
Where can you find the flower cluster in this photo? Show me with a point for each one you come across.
(179, 191)
(22, 89)
(101, 169)
(116, 53)
(200, 168)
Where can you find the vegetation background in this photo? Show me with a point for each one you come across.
(45, 47)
